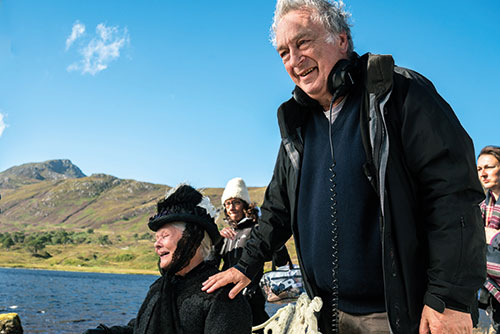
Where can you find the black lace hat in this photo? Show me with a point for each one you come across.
(186, 204)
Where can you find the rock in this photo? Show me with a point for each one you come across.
(10, 323)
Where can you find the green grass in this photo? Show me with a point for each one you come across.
(129, 256)
(87, 257)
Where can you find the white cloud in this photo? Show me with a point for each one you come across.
(2, 125)
(77, 31)
(101, 50)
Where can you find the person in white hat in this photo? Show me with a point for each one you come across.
(241, 216)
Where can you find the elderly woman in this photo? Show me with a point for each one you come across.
(185, 233)
(488, 169)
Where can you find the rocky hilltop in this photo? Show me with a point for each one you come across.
(29, 173)
(56, 194)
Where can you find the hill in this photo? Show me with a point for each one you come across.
(17, 176)
(56, 194)
(54, 216)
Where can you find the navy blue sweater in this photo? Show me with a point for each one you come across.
(359, 248)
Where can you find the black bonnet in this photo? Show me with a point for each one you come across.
(185, 204)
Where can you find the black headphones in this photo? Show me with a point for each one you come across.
(340, 81)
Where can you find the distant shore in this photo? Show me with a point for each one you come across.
(102, 270)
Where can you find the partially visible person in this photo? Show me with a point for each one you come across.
(241, 216)
(488, 169)
(185, 234)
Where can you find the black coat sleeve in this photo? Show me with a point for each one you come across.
(121, 330)
(274, 227)
(440, 156)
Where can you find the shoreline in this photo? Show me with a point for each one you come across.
(99, 270)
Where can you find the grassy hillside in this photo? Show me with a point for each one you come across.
(58, 218)
(97, 201)
(115, 258)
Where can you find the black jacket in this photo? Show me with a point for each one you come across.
(196, 311)
(421, 163)
(232, 248)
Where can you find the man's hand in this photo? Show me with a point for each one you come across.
(228, 233)
(448, 322)
(232, 275)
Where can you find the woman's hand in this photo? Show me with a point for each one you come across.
(228, 233)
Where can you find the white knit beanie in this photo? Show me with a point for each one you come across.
(236, 188)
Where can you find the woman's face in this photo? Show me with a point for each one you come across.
(488, 169)
(234, 209)
(167, 238)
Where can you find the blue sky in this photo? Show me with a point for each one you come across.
(174, 91)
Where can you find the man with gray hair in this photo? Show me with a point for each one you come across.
(375, 179)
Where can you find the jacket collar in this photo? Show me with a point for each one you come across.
(291, 116)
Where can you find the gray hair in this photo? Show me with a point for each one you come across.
(330, 13)
(206, 245)
(207, 248)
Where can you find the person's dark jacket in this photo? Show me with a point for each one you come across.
(232, 248)
(231, 252)
(421, 163)
(196, 311)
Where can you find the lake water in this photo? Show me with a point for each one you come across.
(71, 302)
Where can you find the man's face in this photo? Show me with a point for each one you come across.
(166, 243)
(488, 169)
(307, 54)
(234, 209)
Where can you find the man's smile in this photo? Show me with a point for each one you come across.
(307, 71)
